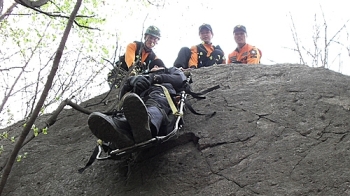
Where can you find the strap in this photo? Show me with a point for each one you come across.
(203, 49)
(91, 160)
(199, 95)
(208, 115)
(170, 101)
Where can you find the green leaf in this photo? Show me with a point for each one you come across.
(44, 130)
(19, 158)
(104, 50)
(5, 135)
(35, 130)
(1, 149)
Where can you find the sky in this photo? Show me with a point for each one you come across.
(268, 26)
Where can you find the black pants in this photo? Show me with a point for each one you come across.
(185, 54)
(158, 109)
(182, 58)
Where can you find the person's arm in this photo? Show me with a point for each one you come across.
(130, 54)
(157, 62)
(173, 75)
(229, 58)
(193, 62)
(253, 56)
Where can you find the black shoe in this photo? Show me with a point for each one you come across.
(136, 113)
(110, 129)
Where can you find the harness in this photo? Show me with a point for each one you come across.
(202, 55)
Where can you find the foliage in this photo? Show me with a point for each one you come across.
(29, 45)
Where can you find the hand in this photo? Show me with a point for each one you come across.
(139, 84)
(157, 79)
(156, 68)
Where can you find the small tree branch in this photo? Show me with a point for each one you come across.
(8, 11)
(296, 40)
(35, 8)
(53, 118)
(29, 3)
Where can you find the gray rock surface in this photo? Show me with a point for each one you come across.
(278, 130)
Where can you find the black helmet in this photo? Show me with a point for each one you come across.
(239, 28)
(153, 30)
(205, 26)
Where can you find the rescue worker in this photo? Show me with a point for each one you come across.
(202, 55)
(151, 37)
(138, 52)
(145, 109)
(244, 53)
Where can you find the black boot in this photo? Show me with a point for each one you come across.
(111, 129)
(136, 113)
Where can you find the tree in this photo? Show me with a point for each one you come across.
(28, 52)
(323, 46)
(43, 96)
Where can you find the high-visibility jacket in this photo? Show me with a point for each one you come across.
(130, 57)
(248, 54)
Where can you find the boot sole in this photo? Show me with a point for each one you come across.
(102, 127)
(137, 118)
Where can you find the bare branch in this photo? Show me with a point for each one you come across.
(22, 2)
(8, 11)
(1, 6)
(53, 118)
(20, 74)
(296, 40)
(29, 3)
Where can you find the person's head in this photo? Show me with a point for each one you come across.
(206, 33)
(152, 36)
(240, 33)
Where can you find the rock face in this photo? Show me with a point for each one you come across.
(278, 130)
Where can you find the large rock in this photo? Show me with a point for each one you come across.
(278, 130)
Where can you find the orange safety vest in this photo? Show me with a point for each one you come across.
(248, 54)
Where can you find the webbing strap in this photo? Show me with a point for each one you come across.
(170, 101)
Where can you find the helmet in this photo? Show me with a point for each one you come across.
(239, 28)
(153, 30)
(205, 26)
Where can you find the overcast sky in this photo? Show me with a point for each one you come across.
(268, 24)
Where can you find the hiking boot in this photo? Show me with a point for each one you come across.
(111, 129)
(136, 113)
